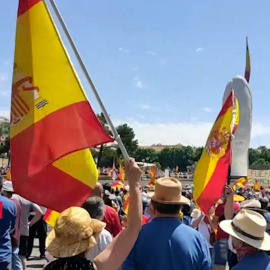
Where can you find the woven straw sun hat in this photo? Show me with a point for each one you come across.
(168, 190)
(249, 227)
(74, 233)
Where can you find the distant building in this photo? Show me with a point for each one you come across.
(159, 147)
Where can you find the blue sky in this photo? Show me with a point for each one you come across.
(162, 66)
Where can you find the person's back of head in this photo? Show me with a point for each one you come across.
(166, 209)
(98, 190)
(95, 207)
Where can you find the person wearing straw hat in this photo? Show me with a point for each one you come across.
(249, 239)
(75, 233)
(251, 204)
(165, 242)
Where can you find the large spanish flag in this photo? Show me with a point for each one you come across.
(52, 123)
(248, 65)
(212, 169)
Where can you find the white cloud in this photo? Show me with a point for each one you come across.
(206, 109)
(199, 49)
(144, 107)
(3, 77)
(152, 53)
(121, 49)
(138, 83)
(186, 133)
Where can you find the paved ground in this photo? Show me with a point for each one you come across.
(34, 261)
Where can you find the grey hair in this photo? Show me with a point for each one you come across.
(95, 207)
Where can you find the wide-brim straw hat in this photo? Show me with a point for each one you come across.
(168, 190)
(74, 233)
(249, 227)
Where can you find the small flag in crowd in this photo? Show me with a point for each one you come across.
(152, 173)
(248, 65)
(117, 185)
(126, 205)
(212, 169)
(52, 123)
(257, 186)
(122, 171)
(50, 217)
(240, 183)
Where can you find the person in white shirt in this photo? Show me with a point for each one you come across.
(96, 209)
(201, 224)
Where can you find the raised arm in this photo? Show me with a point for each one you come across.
(115, 254)
(229, 207)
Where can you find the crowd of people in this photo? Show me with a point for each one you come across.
(137, 228)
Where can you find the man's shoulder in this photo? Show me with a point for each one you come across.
(109, 210)
(248, 261)
(7, 203)
(105, 236)
(179, 227)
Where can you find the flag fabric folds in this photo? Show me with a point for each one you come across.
(248, 65)
(52, 123)
(212, 169)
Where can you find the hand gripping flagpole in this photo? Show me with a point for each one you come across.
(89, 80)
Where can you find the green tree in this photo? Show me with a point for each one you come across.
(197, 153)
(147, 154)
(105, 125)
(108, 156)
(127, 135)
(260, 161)
(253, 155)
(165, 158)
(265, 154)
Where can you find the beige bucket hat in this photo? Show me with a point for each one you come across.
(74, 233)
(249, 227)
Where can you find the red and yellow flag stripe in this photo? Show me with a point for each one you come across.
(212, 169)
(52, 123)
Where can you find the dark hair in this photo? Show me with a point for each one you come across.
(95, 207)
(186, 210)
(1, 181)
(169, 209)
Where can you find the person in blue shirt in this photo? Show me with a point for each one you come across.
(249, 239)
(7, 227)
(165, 242)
